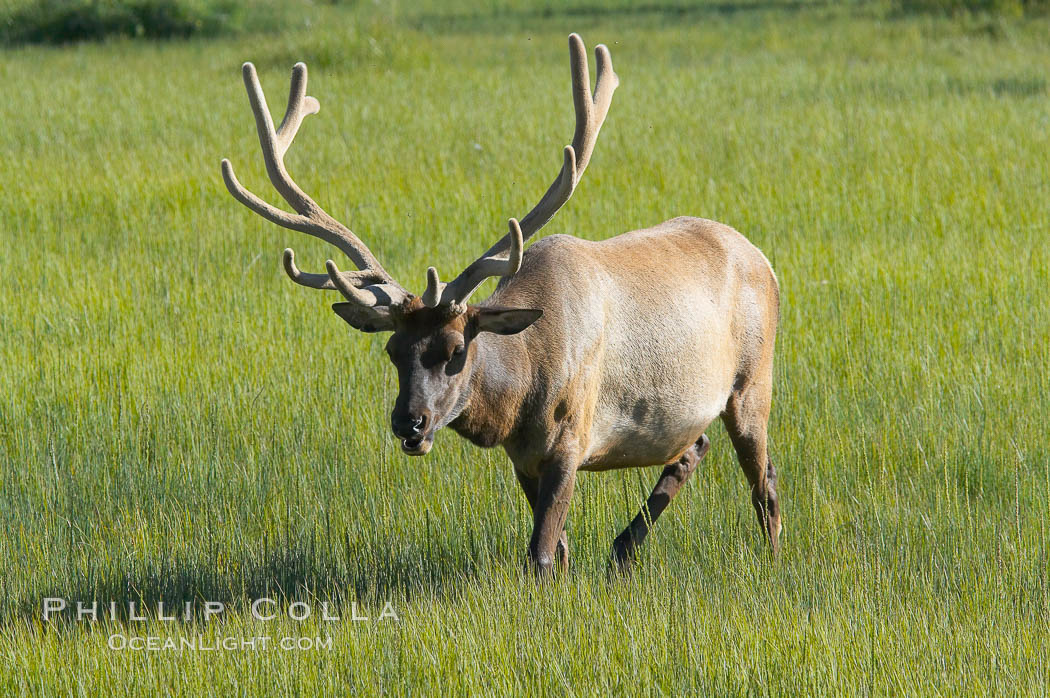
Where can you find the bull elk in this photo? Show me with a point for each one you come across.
(588, 355)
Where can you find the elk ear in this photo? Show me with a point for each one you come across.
(506, 320)
(374, 318)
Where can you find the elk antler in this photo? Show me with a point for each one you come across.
(372, 285)
(590, 115)
(457, 292)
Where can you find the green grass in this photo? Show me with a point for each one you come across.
(178, 421)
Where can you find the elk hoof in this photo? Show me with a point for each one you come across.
(542, 566)
(623, 557)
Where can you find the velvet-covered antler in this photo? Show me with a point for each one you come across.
(372, 285)
(591, 111)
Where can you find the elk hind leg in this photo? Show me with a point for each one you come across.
(674, 475)
(746, 417)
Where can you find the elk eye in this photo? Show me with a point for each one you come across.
(458, 351)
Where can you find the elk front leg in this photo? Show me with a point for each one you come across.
(553, 491)
(531, 487)
(671, 480)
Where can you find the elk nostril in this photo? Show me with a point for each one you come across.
(408, 425)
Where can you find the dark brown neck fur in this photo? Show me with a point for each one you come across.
(498, 388)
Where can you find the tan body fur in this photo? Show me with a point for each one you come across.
(641, 349)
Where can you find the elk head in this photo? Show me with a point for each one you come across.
(432, 345)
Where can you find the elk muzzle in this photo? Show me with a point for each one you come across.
(414, 429)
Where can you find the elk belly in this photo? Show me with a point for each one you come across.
(646, 437)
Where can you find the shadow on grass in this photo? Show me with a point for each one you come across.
(1016, 87)
(302, 571)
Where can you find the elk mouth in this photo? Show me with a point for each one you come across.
(417, 445)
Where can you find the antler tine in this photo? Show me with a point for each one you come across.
(357, 279)
(456, 292)
(308, 218)
(382, 293)
(275, 143)
(591, 110)
(299, 107)
(318, 281)
(598, 107)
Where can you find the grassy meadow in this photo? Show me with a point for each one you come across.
(179, 422)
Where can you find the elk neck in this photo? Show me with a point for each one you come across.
(497, 390)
